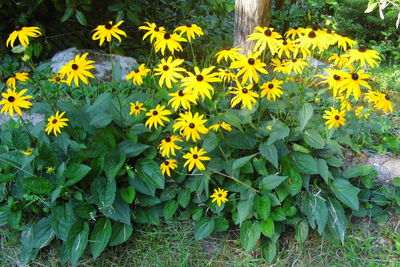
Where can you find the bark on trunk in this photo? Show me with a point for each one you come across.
(249, 14)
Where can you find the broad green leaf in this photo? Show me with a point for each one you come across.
(204, 227)
(346, 193)
(37, 185)
(278, 133)
(100, 236)
(294, 183)
(323, 170)
(119, 211)
(62, 218)
(103, 191)
(80, 17)
(301, 231)
(170, 208)
(371, 6)
(101, 119)
(262, 205)
(357, 171)
(85, 211)
(184, 197)
(120, 233)
(244, 209)
(239, 140)
(267, 227)
(304, 163)
(239, 163)
(300, 148)
(38, 235)
(131, 149)
(67, 14)
(221, 224)
(337, 221)
(149, 172)
(260, 166)
(77, 241)
(305, 115)
(113, 163)
(249, 234)
(271, 181)
(396, 181)
(75, 172)
(233, 120)
(268, 249)
(210, 142)
(128, 194)
(313, 139)
(6, 177)
(270, 153)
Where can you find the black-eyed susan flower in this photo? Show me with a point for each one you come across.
(384, 104)
(335, 118)
(339, 60)
(13, 100)
(27, 152)
(344, 42)
(244, 95)
(313, 39)
(296, 65)
(77, 70)
(272, 89)
(194, 158)
(182, 99)
(107, 31)
(18, 76)
(190, 125)
(199, 82)
(249, 67)
(280, 66)
(230, 53)
(169, 71)
(352, 83)
(153, 31)
(191, 30)
(168, 146)
(136, 108)
(344, 103)
(219, 196)
(167, 166)
(265, 37)
(286, 47)
(138, 74)
(363, 55)
(170, 41)
(55, 123)
(333, 79)
(157, 116)
(361, 112)
(294, 32)
(223, 125)
(226, 75)
(23, 34)
(372, 96)
(57, 78)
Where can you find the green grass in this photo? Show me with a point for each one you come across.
(367, 244)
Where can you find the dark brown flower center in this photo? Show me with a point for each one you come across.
(354, 76)
(165, 68)
(136, 71)
(180, 93)
(108, 26)
(268, 32)
(336, 77)
(11, 99)
(329, 31)
(270, 86)
(337, 117)
(245, 91)
(227, 49)
(219, 195)
(54, 121)
(166, 162)
(315, 28)
(57, 79)
(295, 28)
(387, 97)
(294, 60)
(167, 36)
(137, 107)
(188, 25)
(195, 156)
(362, 49)
(312, 34)
(168, 139)
(191, 125)
(284, 42)
(156, 29)
(227, 72)
(155, 112)
(199, 78)
(251, 61)
(18, 28)
(74, 66)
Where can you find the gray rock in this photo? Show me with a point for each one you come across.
(104, 62)
(33, 118)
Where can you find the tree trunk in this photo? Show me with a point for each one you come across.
(249, 14)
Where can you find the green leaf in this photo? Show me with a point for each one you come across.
(149, 172)
(99, 237)
(267, 227)
(128, 194)
(346, 193)
(244, 209)
(210, 142)
(337, 220)
(357, 171)
(21, 139)
(313, 139)
(170, 208)
(305, 115)
(279, 132)
(80, 17)
(300, 148)
(250, 233)
(396, 181)
(67, 14)
(233, 120)
(221, 224)
(103, 191)
(239, 140)
(268, 249)
(101, 119)
(301, 231)
(62, 218)
(77, 241)
(323, 170)
(270, 153)
(6, 177)
(38, 235)
(113, 163)
(262, 205)
(37, 185)
(304, 163)
(259, 165)
(131, 149)
(271, 181)
(294, 183)
(119, 211)
(184, 198)
(120, 233)
(75, 172)
(239, 163)
(204, 227)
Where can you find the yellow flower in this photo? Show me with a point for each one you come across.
(285, 46)
(244, 95)
(157, 116)
(55, 123)
(169, 40)
(344, 42)
(295, 32)
(169, 71)
(335, 118)
(223, 125)
(361, 113)
(199, 82)
(190, 125)
(77, 69)
(23, 34)
(272, 89)
(384, 104)
(57, 78)
(194, 158)
(18, 76)
(182, 98)
(136, 108)
(352, 83)
(296, 65)
(107, 31)
(334, 79)
(50, 170)
(13, 100)
(219, 196)
(344, 104)
(228, 53)
(372, 96)
(266, 37)
(363, 55)
(249, 66)
(190, 30)
(168, 145)
(339, 60)
(314, 38)
(280, 66)
(226, 75)
(27, 152)
(167, 165)
(137, 75)
(153, 31)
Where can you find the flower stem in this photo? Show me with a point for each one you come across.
(234, 179)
